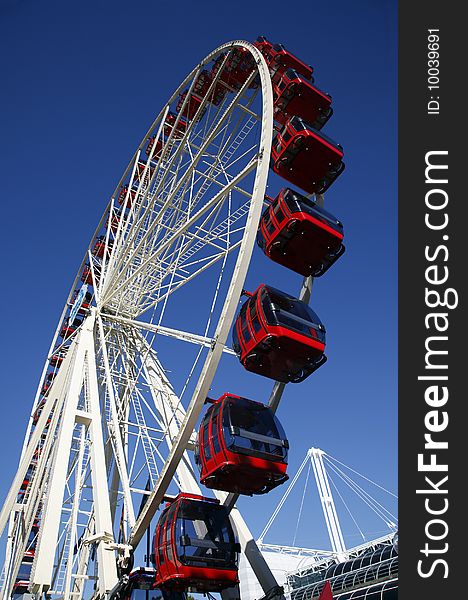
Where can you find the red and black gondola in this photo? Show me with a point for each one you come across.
(278, 336)
(143, 174)
(151, 144)
(38, 411)
(297, 233)
(279, 60)
(194, 546)
(236, 68)
(87, 297)
(87, 275)
(48, 382)
(140, 586)
(242, 447)
(190, 109)
(21, 584)
(170, 123)
(306, 157)
(57, 357)
(68, 328)
(295, 95)
(115, 220)
(31, 544)
(98, 251)
(122, 199)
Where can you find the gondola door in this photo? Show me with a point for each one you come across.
(212, 454)
(163, 550)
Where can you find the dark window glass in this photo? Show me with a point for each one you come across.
(252, 308)
(216, 446)
(246, 334)
(291, 313)
(257, 326)
(235, 339)
(270, 227)
(214, 429)
(206, 444)
(251, 417)
(278, 212)
(207, 536)
(296, 202)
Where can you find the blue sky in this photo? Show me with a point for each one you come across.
(81, 82)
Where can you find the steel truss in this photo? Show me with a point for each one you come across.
(112, 431)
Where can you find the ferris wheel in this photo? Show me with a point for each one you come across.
(146, 324)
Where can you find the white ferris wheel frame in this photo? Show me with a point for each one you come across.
(178, 436)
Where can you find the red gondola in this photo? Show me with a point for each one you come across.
(37, 412)
(169, 126)
(279, 59)
(86, 300)
(306, 157)
(237, 68)
(278, 336)
(68, 328)
(140, 581)
(202, 85)
(87, 275)
(98, 250)
(48, 382)
(191, 107)
(297, 233)
(140, 170)
(294, 95)
(263, 44)
(122, 199)
(194, 546)
(21, 584)
(157, 150)
(57, 358)
(242, 447)
(31, 544)
(114, 221)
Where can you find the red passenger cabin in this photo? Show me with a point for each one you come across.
(194, 546)
(150, 146)
(140, 173)
(141, 581)
(21, 584)
(98, 251)
(48, 382)
(114, 221)
(278, 336)
(57, 358)
(202, 85)
(68, 328)
(279, 60)
(300, 235)
(86, 300)
(122, 199)
(38, 411)
(306, 157)
(169, 124)
(237, 68)
(192, 106)
(242, 447)
(294, 95)
(87, 275)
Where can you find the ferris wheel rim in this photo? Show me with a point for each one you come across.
(256, 203)
(267, 100)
